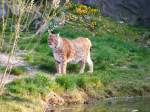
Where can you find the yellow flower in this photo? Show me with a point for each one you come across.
(93, 24)
(92, 10)
(82, 9)
(70, 16)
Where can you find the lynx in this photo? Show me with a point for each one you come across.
(70, 51)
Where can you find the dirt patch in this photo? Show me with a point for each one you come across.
(9, 78)
(15, 60)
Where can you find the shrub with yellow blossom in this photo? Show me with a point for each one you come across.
(83, 14)
(93, 25)
(82, 9)
(71, 17)
(92, 10)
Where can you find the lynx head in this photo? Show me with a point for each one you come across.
(54, 40)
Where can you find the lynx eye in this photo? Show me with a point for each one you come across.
(49, 44)
(50, 40)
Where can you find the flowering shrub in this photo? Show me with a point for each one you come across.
(85, 14)
(93, 24)
(71, 17)
(82, 9)
(82, 13)
(92, 10)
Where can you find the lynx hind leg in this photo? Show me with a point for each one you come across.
(90, 63)
(63, 67)
(82, 66)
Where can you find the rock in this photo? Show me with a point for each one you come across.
(144, 39)
(54, 99)
(135, 12)
(37, 21)
(75, 97)
(5, 9)
(15, 9)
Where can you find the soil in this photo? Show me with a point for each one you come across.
(16, 60)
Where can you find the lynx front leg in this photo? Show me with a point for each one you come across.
(63, 67)
(58, 67)
(82, 66)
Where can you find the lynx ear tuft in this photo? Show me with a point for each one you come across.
(58, 35)
(49, 32)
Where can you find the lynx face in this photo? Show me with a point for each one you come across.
(53, 41)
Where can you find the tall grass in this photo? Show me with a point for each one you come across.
(16, 36)
(15, 23)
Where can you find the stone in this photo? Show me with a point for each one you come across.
(5, 10)
(54, 99)
(135, 12)
(75, 97)
(15, 9)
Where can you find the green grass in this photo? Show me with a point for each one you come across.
(18, 70)
(2, 69)
(16, 103)
(77, 81)
(36, 85)
(123, 84)
(41, 84)
(121, 65)
(115, 54)
(113, 46)
(108, 51)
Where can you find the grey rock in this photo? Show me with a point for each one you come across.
(5, 10)
(135, 12)
(8, 7)
(15, 9)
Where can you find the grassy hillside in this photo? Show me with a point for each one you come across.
(121, 64)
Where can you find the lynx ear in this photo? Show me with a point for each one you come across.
(49, 32)
(58, 35)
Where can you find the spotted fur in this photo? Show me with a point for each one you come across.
(70, 51)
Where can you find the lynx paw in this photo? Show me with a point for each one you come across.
(58, 74)
(90, 72)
